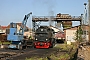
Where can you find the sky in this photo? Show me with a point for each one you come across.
(15, 10)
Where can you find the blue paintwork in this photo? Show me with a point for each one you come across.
(14, 37)
(12, 46)
(15, 44)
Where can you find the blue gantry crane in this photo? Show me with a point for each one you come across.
(17, 38)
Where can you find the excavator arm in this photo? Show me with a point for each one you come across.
(23, 26)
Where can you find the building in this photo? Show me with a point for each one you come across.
(85, 29)
(5, 29)
(70, 33)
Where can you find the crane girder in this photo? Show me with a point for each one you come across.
(23, 26)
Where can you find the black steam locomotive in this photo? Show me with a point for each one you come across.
(44, 37)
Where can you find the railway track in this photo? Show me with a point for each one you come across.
(11, 54)
(5, 55)
(8, 54)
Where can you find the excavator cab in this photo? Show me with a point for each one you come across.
(13, 25)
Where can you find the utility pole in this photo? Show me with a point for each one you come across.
(89, 19)
(85, 20)
(85, 14)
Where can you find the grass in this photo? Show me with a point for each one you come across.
(37, 58)
(52, 57)
(64, 56)
(64, 46)
(5, 42)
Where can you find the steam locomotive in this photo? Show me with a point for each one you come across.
(44, 37)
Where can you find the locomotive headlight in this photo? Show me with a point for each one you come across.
(46, 39)
(36, 38)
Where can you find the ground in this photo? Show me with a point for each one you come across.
(60, 51)
(84, 53)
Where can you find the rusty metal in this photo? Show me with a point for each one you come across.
(58, 18)
(61, 18)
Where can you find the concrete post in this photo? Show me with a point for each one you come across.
(89, 18)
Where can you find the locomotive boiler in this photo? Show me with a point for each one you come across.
(44, 37)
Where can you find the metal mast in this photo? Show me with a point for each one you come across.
(85, 22)
(89, 18)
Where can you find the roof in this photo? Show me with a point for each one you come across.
(56, 29)
(16, 23)
(5, 27)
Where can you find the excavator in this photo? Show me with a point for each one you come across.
(15, 36)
